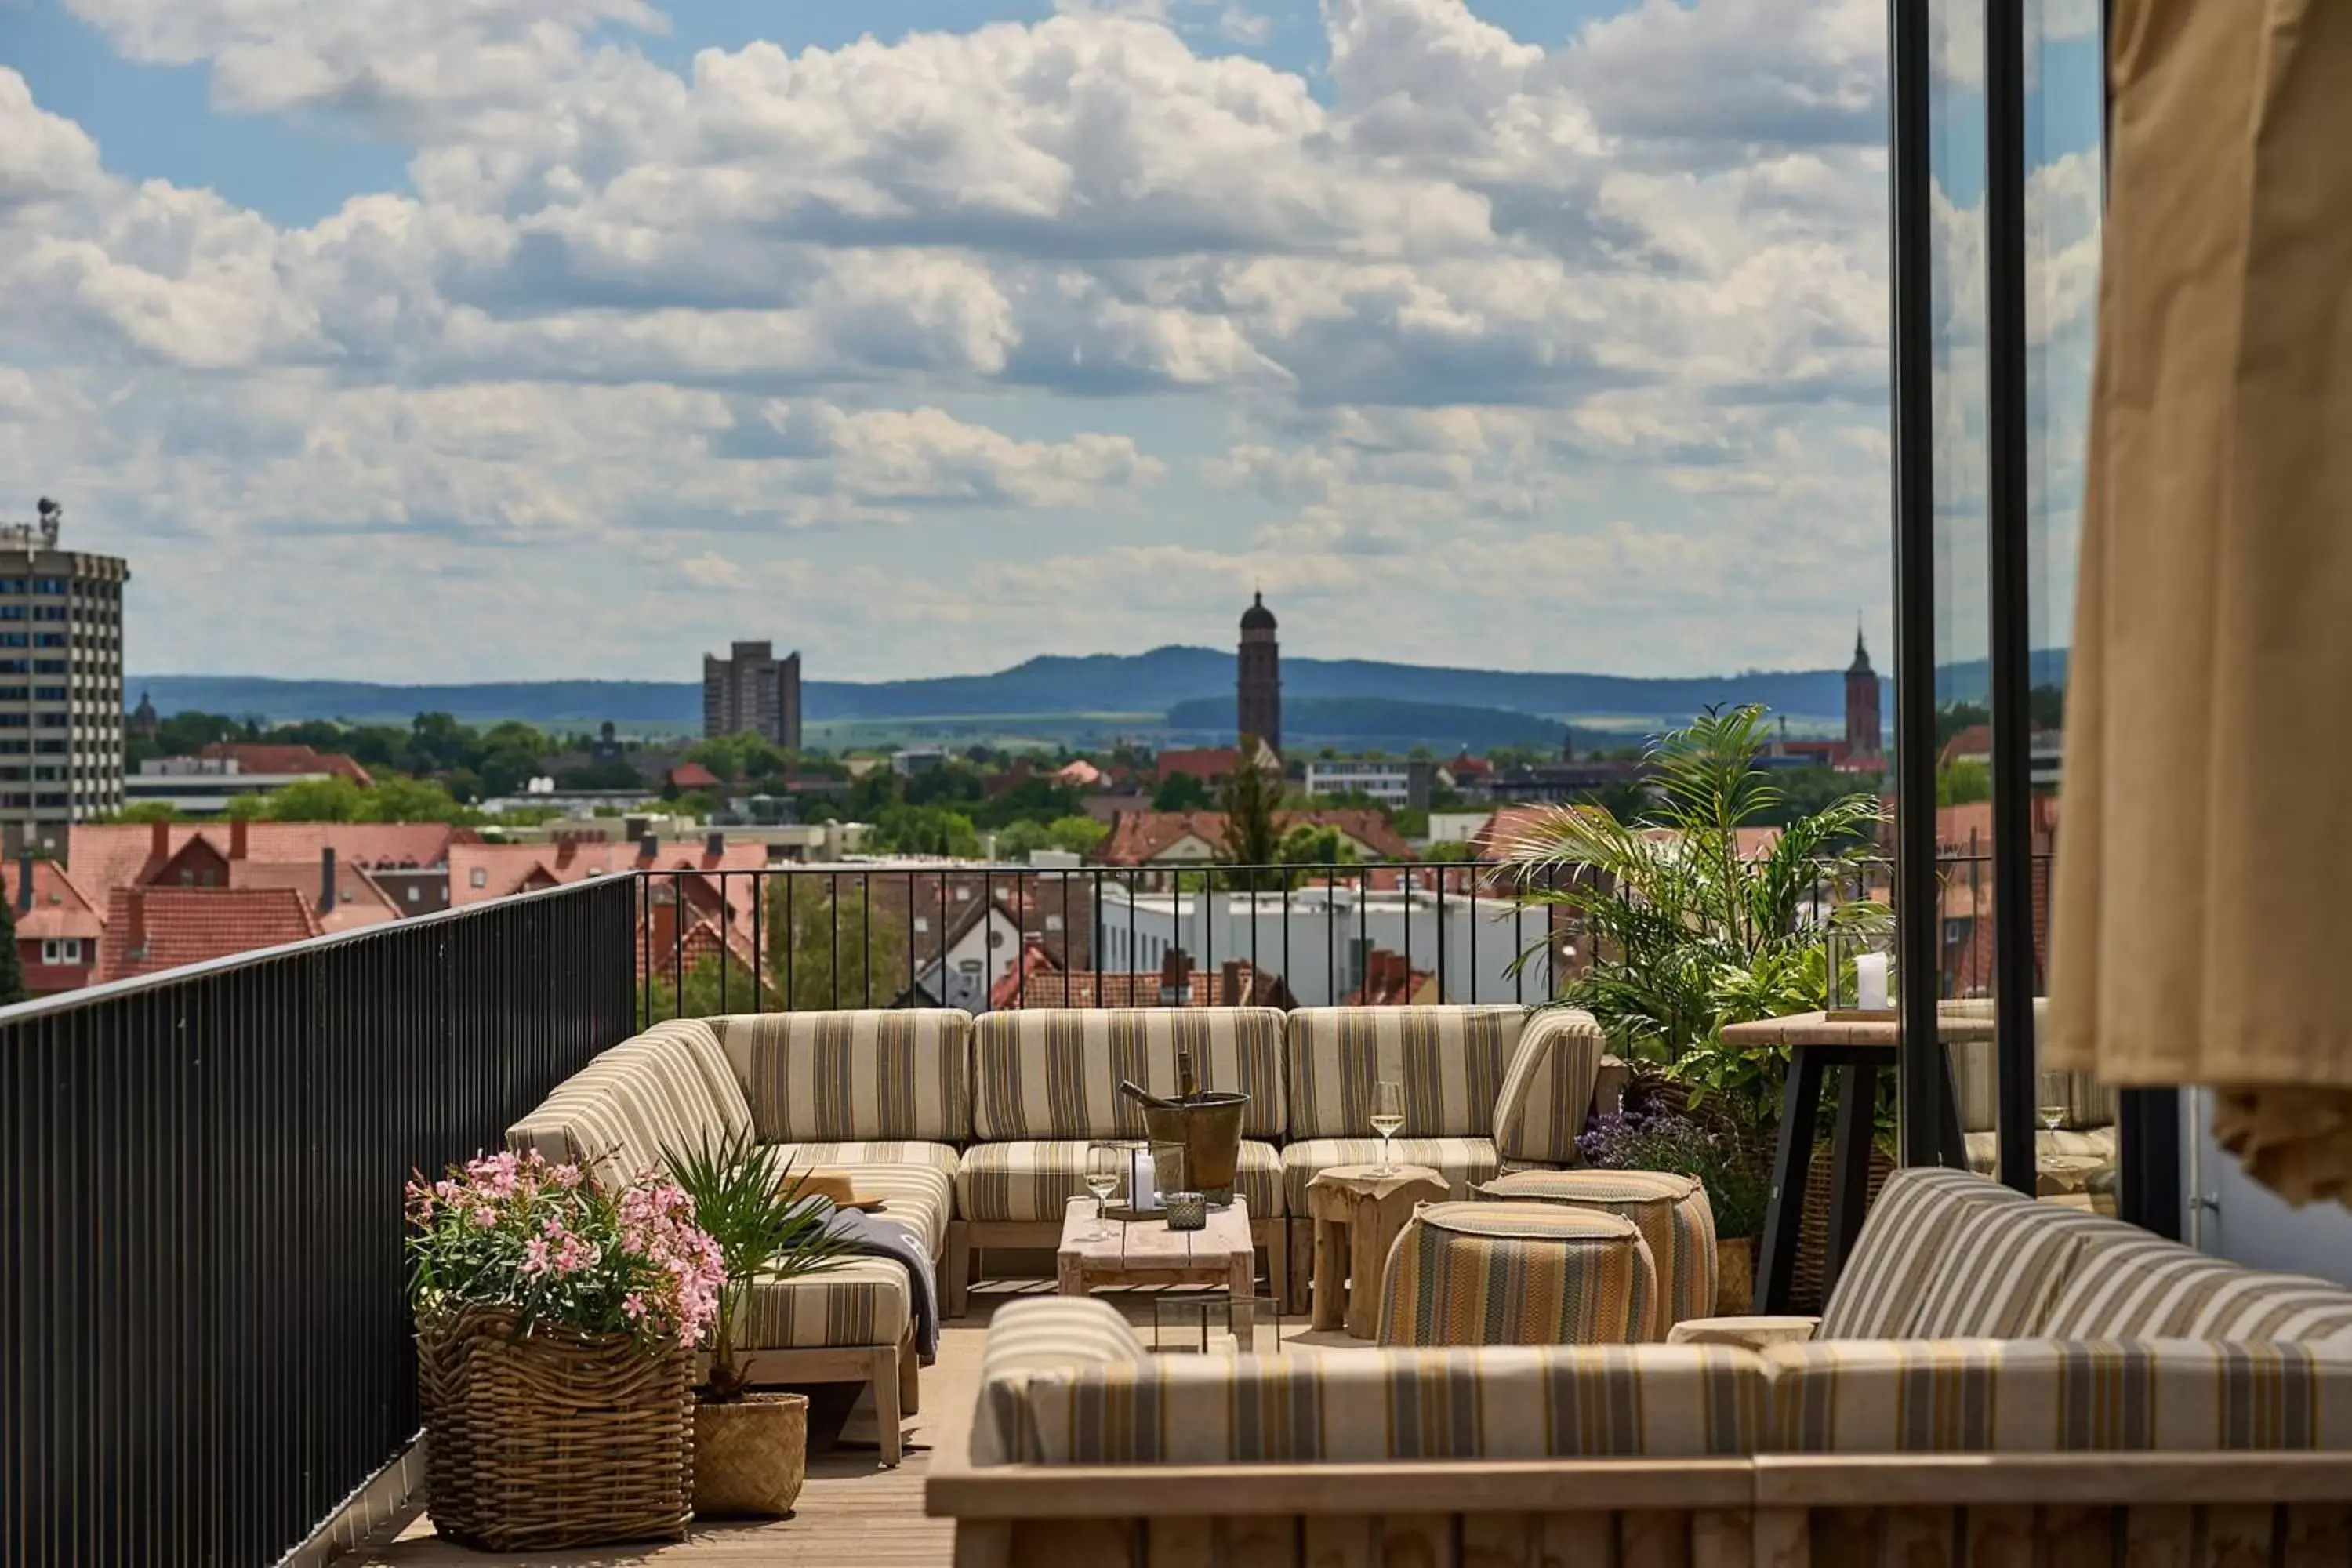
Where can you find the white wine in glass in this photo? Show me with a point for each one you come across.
(2052, 1105)
(1388, 1117)
(1106, 1168)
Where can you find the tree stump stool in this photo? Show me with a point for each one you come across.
(1356, 1210)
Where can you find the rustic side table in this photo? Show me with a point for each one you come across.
(1356, 1210)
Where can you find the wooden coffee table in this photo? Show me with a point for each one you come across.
(1146, 1252)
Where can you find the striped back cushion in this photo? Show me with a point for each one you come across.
(1975, 1071)
(1054, 1073)
(668, 1088)
(870, 1075)
(1504, 1403)
(1671, 1211)
(1450, 1062)
(1548, 1087)
(2131, 1285)
(1035, 1335)
(1899, 1257)
(2000, 1269)
(1518, 1274)
(2052, 1396)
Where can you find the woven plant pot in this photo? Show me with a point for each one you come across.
(1806, 1289)
(1735, 1276)
(555, 1438)
(750, 1455)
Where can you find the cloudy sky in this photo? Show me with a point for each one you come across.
(475, 339)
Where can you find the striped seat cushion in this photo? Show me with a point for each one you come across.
(1463, 1161)
(1034, 1179)
(1033, 1335)
(1899, 1255)
(1054, 1073)
(1503, 1402)
(866, 1301)
(2096, 1143)
(867, 1075)
(1517, 1274)
(1449, 1061)
(2052, 1395)
(665, 1089)
(896, 1152)
(2000, 1268)
(2131, 1285)
(1671, 1212)
(1547, 1092)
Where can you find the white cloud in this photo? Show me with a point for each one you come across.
(1613, 309)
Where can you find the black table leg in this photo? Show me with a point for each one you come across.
(1784, 1215)
(1857, 1125)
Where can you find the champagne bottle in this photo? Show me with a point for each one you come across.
(1188, 1087)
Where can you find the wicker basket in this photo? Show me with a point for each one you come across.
(1806, 1293)
(553, 1439)
(750, 1457)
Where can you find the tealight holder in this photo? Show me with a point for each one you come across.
(1187, 1211)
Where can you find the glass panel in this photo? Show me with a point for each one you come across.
(2064, 125)
(1963, 630)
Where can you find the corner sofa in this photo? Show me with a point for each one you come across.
(1995, 1380)
(975, 1133)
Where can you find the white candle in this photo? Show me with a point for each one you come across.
(1870, 981)
(1140, 1195)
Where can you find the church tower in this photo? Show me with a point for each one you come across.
(1862, 735)
(1258, 710)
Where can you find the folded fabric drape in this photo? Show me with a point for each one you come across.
(2202, 931)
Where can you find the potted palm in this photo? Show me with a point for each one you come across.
(751, 1450)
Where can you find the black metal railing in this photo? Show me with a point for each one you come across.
(206, 1344)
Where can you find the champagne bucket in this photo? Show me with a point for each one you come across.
(1209, 1126)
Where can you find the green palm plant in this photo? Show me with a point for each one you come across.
(747, 1199)
(1687, 929)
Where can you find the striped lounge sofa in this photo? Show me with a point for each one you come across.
(1995, 1380)
(883, 1097)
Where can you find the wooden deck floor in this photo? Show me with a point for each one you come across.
(851, 1512)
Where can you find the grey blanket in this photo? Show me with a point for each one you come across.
(880, 1238)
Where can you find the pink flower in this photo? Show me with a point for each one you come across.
(535, 1256)
(484, 1218)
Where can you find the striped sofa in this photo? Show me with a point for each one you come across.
(883, 1097)
(1989, 1367)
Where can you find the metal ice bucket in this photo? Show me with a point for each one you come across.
(1209, 1126)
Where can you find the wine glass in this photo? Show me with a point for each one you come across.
(1388, 1117)
(1106, 1168)
(2051, 1105)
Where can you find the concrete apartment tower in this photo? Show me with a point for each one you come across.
(1861, 730)
(61, 683)
(753, 690)
(1258, 710)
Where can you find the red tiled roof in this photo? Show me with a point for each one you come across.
(1139, 837)
(1207, 763)
(1036, 983)
(1389, 981)
(693, 776)
(514, 867)
(106, 856)
(279, 757)
(60, 909)
(357, 901)
(154, 929)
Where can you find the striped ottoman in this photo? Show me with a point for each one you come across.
(1517, 1274)
(1671, 1211)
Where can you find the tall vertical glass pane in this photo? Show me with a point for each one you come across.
(2066, 113)
(1963, 630)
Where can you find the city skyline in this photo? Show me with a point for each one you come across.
(1478, 335)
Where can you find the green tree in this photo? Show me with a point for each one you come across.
(925, 830)
(1309, 845)
(1078, 835)
(11, 970)
(330, 799)
(1684, 932)
(1963, 781)
(843, 953)
(147, 811)
(1249, 801)
(1181, 792)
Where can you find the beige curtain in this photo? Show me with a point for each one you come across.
(2203, 921)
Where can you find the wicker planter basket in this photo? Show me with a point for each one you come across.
(555, 1439)
(1735, 1276)
(1806, 1291)
(750, 1457)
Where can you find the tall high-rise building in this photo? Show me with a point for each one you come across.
(1258, 684)
(61, 683)
(1863, 737)
(753, 690)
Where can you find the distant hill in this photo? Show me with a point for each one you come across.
(1163, 679)
(1373, 723)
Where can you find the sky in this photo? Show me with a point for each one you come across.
(450, 340)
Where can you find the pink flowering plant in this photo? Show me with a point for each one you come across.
(513, 1231)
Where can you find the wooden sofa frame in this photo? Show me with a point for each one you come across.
(2234, 1509)
(892, 1370)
